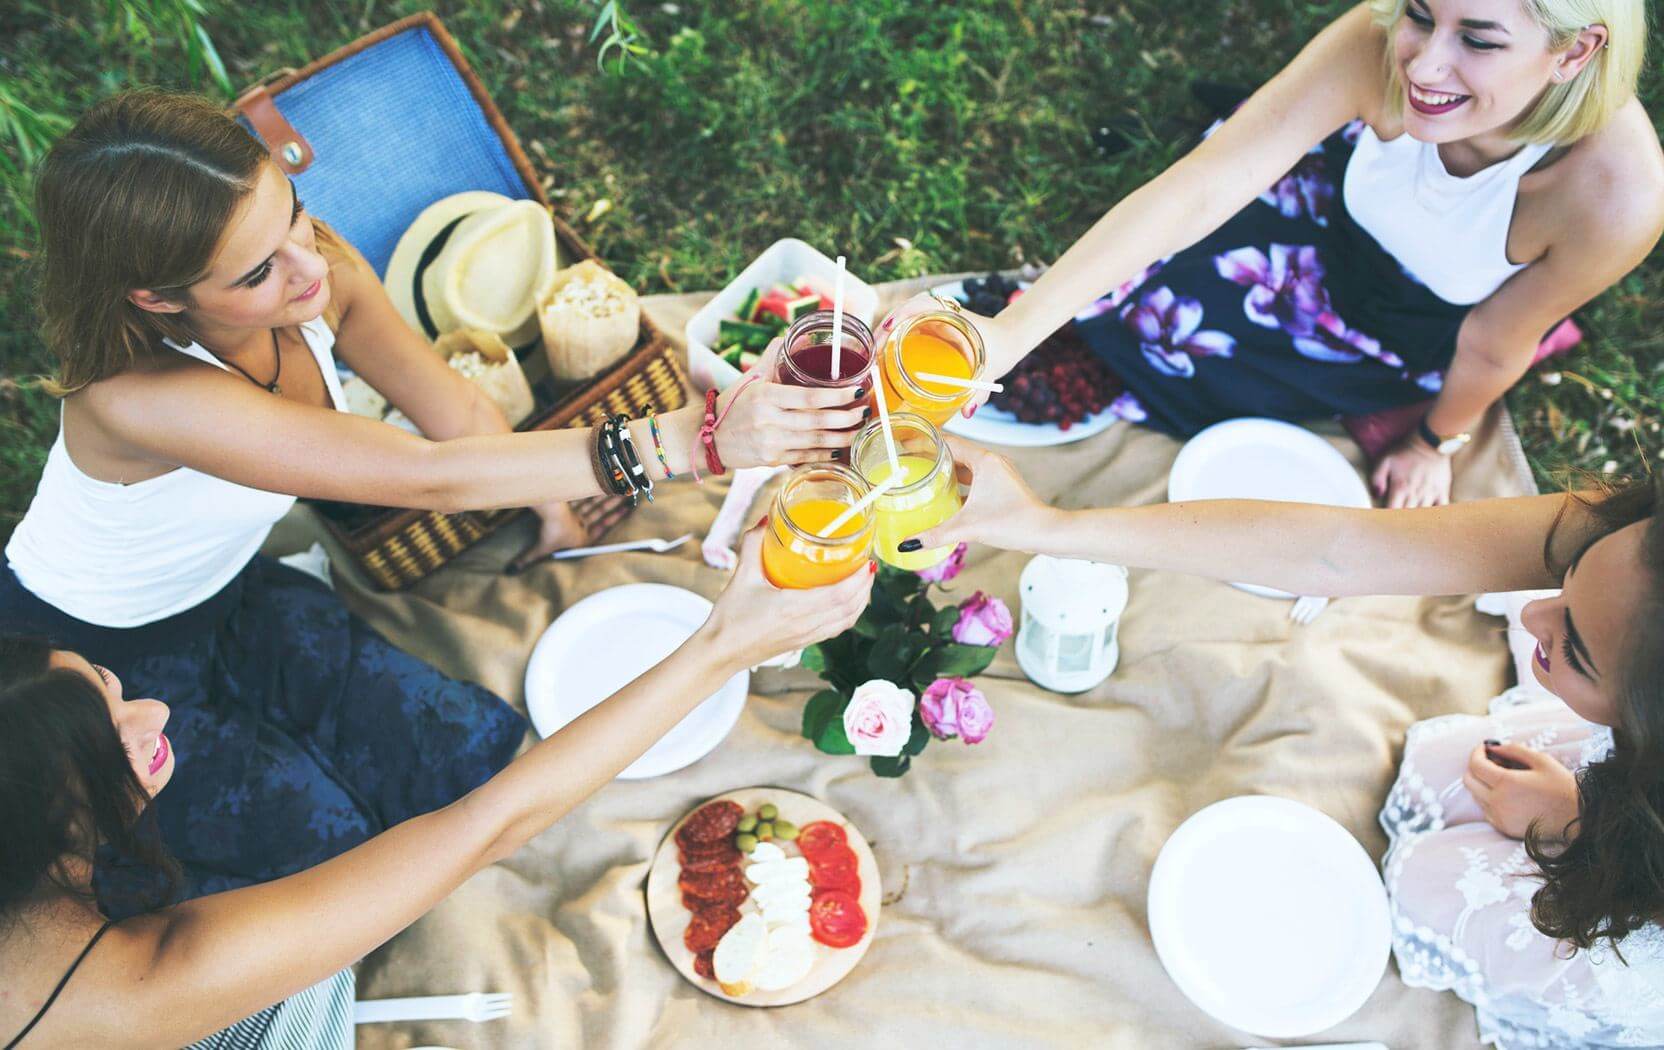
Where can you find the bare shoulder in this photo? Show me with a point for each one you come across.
(1611, 183)
(152, 395)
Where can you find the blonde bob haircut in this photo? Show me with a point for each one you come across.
(1582, 105)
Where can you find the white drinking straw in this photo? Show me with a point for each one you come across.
(838, 322)
(969, 384)
(855, 508)
(884, 425)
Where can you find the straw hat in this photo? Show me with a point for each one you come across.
(474, 260)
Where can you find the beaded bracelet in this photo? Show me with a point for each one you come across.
(613, 458)
(658, 443)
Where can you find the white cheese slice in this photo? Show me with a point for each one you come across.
(769, 871)
(790, 957)
(741, 950)
(766, 851)
(766, 892)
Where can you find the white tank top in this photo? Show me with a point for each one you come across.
(1449, 232)
(125, 555)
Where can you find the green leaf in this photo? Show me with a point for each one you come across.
(961, 661)
(833, 740)
(893, 653)
(885, 766)
(867, 626)
(919, 738)
(216, 66)
(826, 705)
(602, 20)
(814, 658)
(941, 626)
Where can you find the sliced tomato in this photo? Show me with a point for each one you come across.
(836, 919)
(819, 837)
(836, 870)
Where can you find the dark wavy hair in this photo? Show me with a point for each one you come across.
(1606, 879)
(66, 785)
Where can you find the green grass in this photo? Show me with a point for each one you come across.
(912, 136)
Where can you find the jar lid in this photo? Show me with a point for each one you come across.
(1071, 596)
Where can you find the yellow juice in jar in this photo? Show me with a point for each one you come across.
(921, 351)
(902, 515)
(793, 562)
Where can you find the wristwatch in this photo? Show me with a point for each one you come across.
(1443, 446)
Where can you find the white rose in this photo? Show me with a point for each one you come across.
(879, 718)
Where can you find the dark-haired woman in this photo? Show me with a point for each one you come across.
(184, 294)
(81, 760)
(1398, 216)
(1555, 939)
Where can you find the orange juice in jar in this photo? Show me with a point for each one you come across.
(795, 554)
(925, 337)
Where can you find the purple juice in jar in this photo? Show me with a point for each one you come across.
(806, 358)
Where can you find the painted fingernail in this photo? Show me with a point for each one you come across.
(872, 568)
(512, 570)
(866, 414)
(1493, 743)
(860, 392)
(909, 546)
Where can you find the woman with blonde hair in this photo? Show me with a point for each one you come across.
(1492, 171)
(184, 294)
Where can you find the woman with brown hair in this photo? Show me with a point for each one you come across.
(184, 293)
(1557, 940)
(83, 758)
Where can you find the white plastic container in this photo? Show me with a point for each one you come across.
(784, 262)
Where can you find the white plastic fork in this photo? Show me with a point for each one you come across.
(656, 546)
(1306, 610)
(475, 1006)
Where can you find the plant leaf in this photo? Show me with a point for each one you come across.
(814, 658)
(920, 737)
(833, 740)
(960, 661)
(885, 766)
(824, 706)
(603, 19)
(941, 626)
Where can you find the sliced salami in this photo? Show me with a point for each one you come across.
(707, 926)
(731, 897)
(719, 862)
(710, 883)
(710, 824)
(723, 850)
(704, 964)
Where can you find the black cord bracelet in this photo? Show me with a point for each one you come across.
(640, 483)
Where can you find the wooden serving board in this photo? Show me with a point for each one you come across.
(670, 919)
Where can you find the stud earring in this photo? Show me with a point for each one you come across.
(1559, 76)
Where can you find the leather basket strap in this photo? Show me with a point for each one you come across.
(288, 147)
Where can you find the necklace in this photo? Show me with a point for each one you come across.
(271, 387)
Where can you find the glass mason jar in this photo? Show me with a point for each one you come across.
(806, 355)
(926, 495)
(928, 335)
(795, 555)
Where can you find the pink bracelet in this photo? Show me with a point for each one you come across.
(707, 433)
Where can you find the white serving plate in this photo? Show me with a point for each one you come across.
(1264, 459)
(783, 262)
(604, 642)
(1269, 916)
(993, 426)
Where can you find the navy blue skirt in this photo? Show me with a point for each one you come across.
(1290, 310)
(298, 731)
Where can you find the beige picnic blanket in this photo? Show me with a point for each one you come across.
(1015, 871)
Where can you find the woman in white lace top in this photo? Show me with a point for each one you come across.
(1526, 872)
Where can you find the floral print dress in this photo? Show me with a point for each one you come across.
(1290, 310)
(1460, 894)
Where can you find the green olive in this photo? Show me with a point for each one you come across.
(747, 823)
(767, 811)
(785, 829)
(765, 831)
(746, 843)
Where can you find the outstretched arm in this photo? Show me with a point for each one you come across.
(1487, 545)
(179, 974)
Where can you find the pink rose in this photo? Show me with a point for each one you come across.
(954, 707)
(879, 718)
(947, 568)
(975, 717)
(982, 621)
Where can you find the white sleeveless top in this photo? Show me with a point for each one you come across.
(125, 555)
(1449, 232)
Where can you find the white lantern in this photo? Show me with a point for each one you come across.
(1071, 610)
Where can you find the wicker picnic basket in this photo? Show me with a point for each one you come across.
(372, 134)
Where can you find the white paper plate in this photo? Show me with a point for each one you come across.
(993, 426)
(1269, 916)
(1264, 459)
(604, 642)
